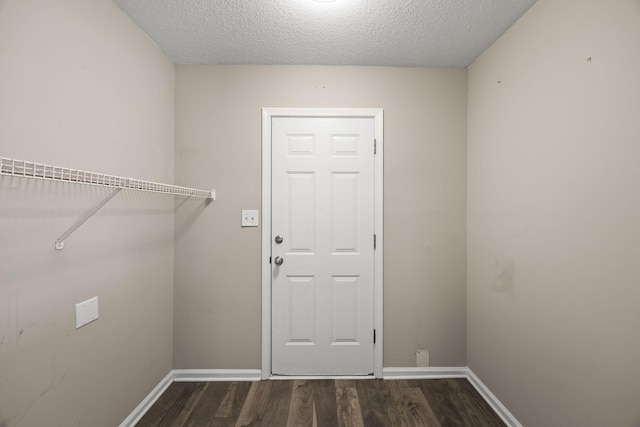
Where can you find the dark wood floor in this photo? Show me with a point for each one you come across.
(331, 403)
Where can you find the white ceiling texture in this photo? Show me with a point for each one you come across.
(411, 33)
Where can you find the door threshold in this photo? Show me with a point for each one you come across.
(322, 377)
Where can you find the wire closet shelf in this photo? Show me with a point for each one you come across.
(26, 169)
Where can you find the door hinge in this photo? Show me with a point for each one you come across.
(375, 146)
(374, 336)
(374, 241)
(269, 260)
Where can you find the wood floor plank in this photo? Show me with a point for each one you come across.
(233, 400)
(397, 406)
(277, 411)
(345, 383)
(438, 394)
(324, 397)
(301, 408)
(203, 414)
(373, 397)
(419, 408)
(222, 422)
(406, 383)
(159, 409)
(191, 402)
(255, 404)
(473, 409)
(175, 416)
(348, 405)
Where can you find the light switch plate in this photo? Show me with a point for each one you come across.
(249, 217)
(86, 312)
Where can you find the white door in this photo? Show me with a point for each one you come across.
(322, 224)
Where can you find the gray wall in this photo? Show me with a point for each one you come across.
(553, 209)
(218, 144)
(81, 86)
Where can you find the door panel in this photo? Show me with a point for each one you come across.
(323, 207)
(344, 212)
(301, 304)
(301, 213)
(344, 311)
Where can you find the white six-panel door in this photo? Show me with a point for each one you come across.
(322, 208)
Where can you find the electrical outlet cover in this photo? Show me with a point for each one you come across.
(86, 312)
(422, 358)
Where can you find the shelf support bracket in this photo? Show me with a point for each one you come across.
(59, 244)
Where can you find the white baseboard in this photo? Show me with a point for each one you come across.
(492, 400)
(423, 373)
(256, 375)
(181, 375)
(148, 401)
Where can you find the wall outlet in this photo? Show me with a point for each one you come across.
(86, 312)
(249, 217)
(422, 358)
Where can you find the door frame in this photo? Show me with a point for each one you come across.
(377, 115)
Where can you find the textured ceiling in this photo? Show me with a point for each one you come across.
(415, 33)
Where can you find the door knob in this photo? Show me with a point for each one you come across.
(279, 239)
(279, 260)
